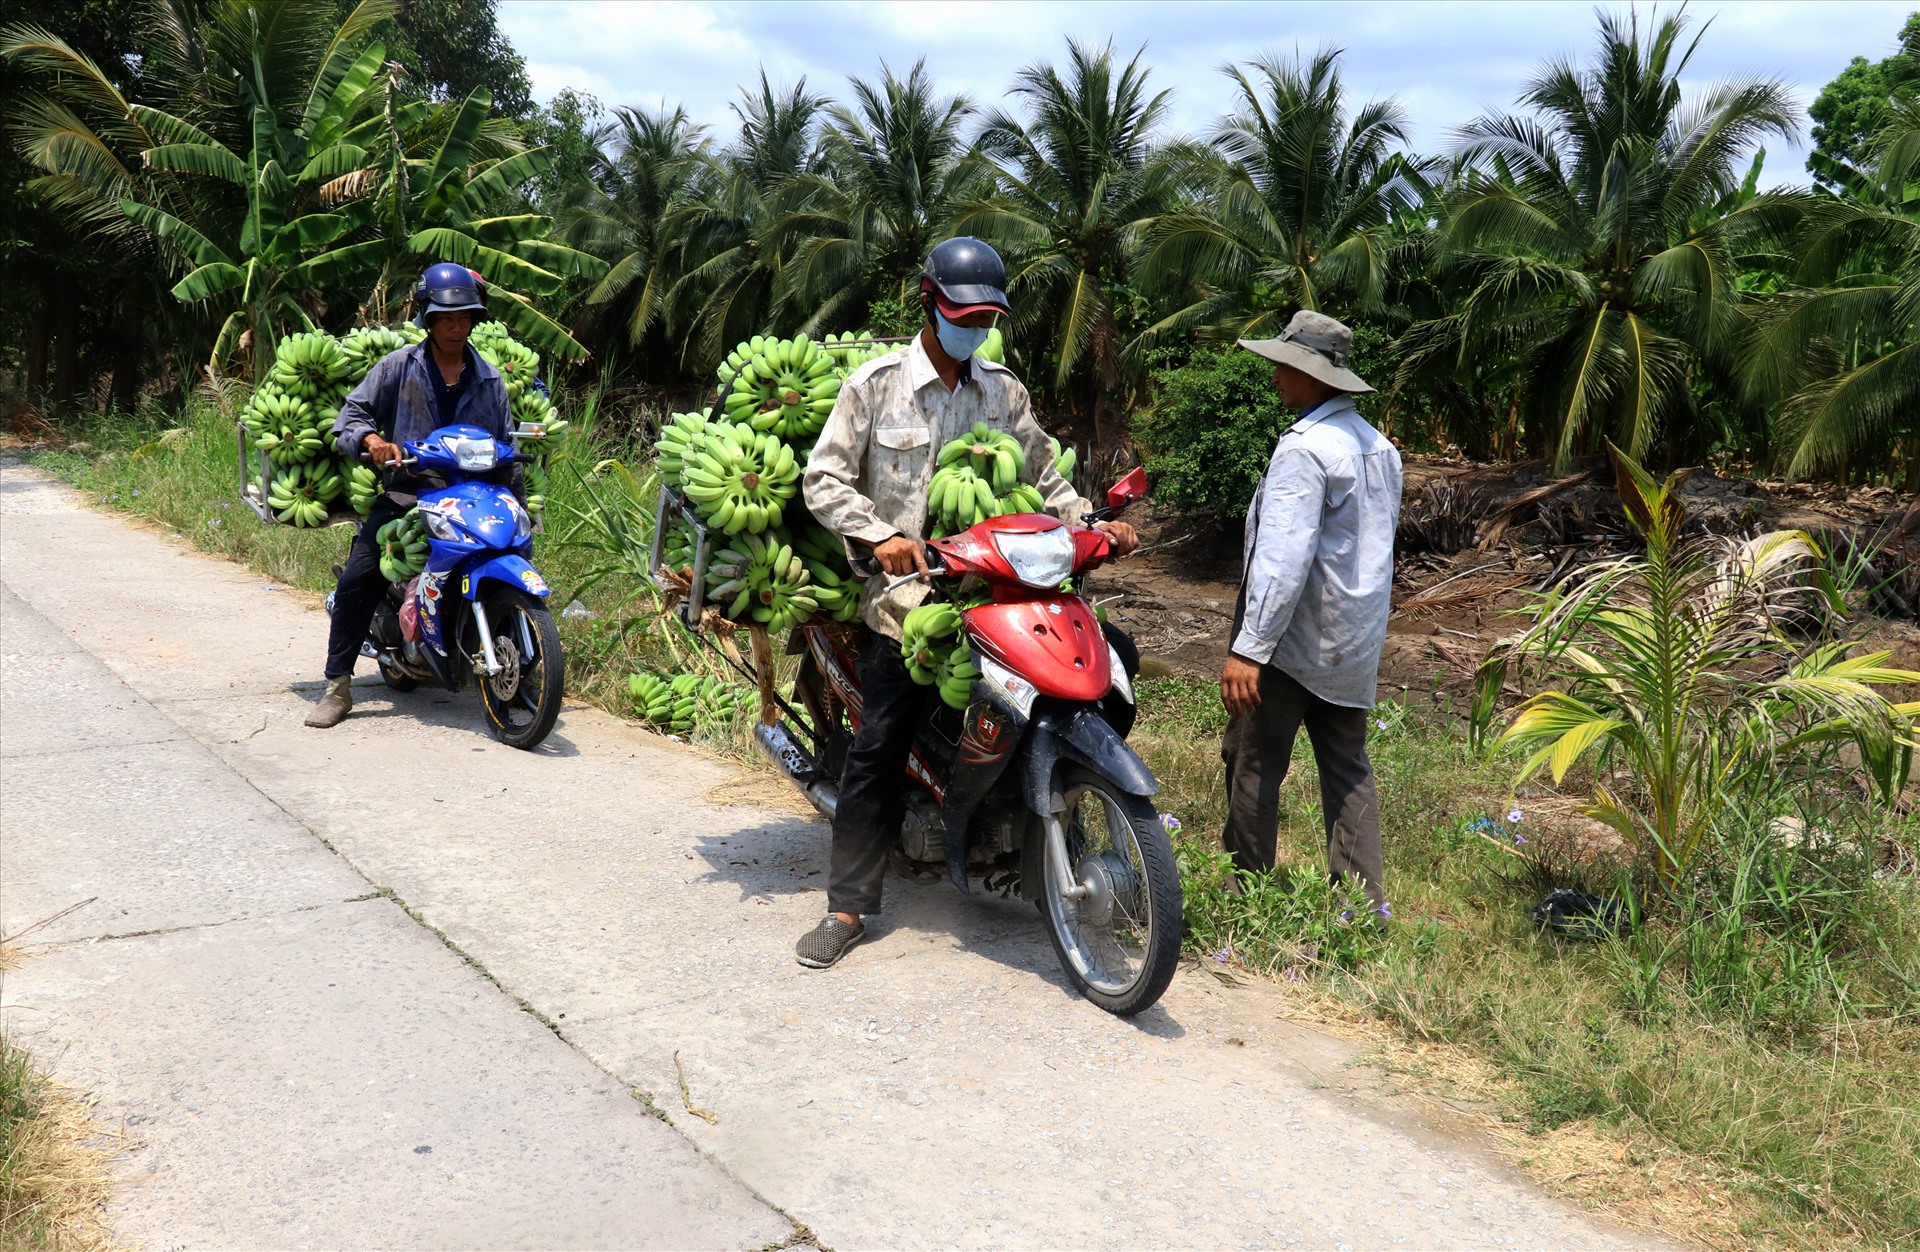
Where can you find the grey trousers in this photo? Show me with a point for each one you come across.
(1258, 750)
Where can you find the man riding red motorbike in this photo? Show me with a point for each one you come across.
(867, 481)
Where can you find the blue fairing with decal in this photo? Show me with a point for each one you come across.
(510, 570)
(475, 515)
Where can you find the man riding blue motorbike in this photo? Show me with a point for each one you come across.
(438, 382)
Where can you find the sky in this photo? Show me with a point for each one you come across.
(1447, 62)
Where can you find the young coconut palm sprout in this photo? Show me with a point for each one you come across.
(1700, 672)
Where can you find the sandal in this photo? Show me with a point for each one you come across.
(828, 942)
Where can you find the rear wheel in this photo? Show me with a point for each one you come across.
(397, 681)
(523, 699)
(1118, 934)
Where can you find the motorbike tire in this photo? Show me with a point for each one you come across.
(1139, 888)
(396, 681)
(523, 706)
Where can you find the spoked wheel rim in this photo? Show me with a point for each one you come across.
(522, 696)
(1107, 935)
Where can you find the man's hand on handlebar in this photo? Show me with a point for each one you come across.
(1120, 537)
(380, 451)
(901, 556)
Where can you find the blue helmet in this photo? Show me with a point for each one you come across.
(449, 288)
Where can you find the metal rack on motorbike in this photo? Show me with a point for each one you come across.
(1030, 780)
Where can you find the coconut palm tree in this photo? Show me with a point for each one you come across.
(1298, 208)
(645, 169)
(1573, 249)
(1842, 346)
(730, 248)
(1078, 180)
(897, 166)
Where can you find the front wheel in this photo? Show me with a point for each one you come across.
(522, 699)
(1118, 933)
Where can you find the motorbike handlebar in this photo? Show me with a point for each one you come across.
(935, 566)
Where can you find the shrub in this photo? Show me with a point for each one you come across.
(1212, 426)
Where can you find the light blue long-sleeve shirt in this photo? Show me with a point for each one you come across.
(1317, 585)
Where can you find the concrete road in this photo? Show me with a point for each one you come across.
(309, 1065)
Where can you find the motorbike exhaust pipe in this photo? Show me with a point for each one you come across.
(792, 760)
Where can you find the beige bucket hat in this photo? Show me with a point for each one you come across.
(1315, 344)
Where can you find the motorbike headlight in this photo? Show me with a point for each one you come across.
(439, 526)
(1039, 560)
(472, 455)
(1121, 683)
(1012, 688)
(522, 524)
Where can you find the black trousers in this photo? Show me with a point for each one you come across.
(1258, 750)
(872, 787)
(358, 592)
(872, 784)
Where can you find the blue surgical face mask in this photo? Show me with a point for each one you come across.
(958, 342)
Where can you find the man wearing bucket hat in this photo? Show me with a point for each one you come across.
(408, 394)
(1312, 618)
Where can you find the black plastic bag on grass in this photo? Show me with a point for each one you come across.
(1578, 915)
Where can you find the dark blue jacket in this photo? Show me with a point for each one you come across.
(396, 401)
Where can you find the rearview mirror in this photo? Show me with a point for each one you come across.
(1128, 489)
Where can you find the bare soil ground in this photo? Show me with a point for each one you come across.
(1478, 541)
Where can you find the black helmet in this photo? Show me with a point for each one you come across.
(965, 275)
(448, 287)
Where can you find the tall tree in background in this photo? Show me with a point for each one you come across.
(646, 170)
(72, 308)
(1575, 252)
(1850, 110)
(1842, 347)
(730, 249)
(897, 166)
(452, 48)
(1079, 177)
(1297, 211)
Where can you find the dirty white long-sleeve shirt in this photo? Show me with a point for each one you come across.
(1317, 585)
(867, 477)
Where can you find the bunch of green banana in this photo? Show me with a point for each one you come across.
(1064, 459)
(534, 476)
(677, 434)
(787, 388)
(309, 365)
(363, 487)
(739, 481)
(1024, 498)
(676, 551)
(819, 547)
(413, 334)
(283, 428)
(955, 673)
(516, 362)
(364, 346)
(488, 333)
(760, 578)
(676, 705)
(994, 349)
(927, 634)
(835, 595)
(402, 544)
(852, 350)
(301, 493)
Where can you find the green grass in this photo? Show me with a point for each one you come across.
(1768, 1022)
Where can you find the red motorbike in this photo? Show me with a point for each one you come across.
(1031, 778)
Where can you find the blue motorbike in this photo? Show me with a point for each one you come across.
(480, 604)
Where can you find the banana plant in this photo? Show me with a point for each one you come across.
(289, 246)
(452, 204)
(1684, 677)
